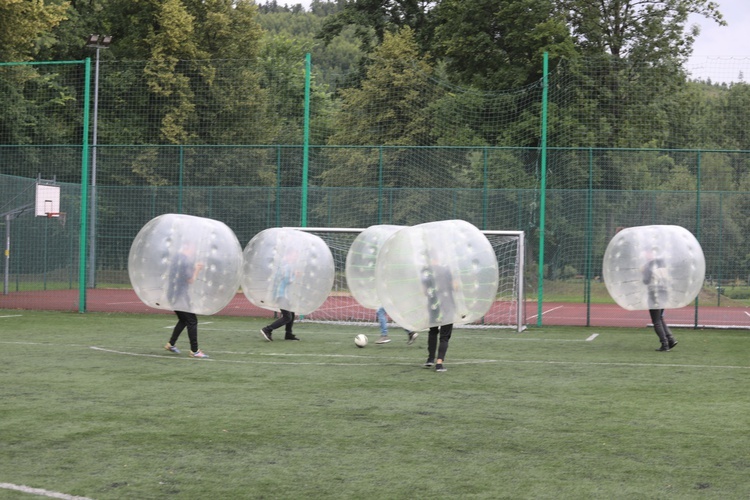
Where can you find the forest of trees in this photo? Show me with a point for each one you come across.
(385, 73)
(629, 54)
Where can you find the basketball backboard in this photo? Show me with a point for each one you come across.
(47, 200)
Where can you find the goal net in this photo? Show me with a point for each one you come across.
(507, 311)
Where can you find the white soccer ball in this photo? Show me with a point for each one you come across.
(360, 340)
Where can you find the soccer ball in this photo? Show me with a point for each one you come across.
(360, 340)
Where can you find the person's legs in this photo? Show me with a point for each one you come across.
(289, 315)
(191, 320)
(445, 336)
(382, 320)
(410, 336)
(658, 321)
(670, 338)
(282, 320)
(178, 328)
(286, 317)
(432, 342)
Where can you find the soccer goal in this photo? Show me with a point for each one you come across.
(508, 310)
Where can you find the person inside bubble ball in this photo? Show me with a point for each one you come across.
(182, 274)
(438, 284)
(656, 278)
(282, 279)
(383, 321)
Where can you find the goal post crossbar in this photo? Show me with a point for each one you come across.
(508, 310)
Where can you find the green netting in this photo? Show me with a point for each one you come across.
(397, 144)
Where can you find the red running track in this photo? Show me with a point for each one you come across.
(572, 314)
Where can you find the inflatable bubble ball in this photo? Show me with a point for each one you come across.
(653, 267)
(185, 263)
(436, 273)
(287, 269)
(360, 263)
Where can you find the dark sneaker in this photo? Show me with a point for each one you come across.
(412, 337)
(663, 348)
(440, 368)
(672, 343)
(429, 363)
(266, 335)
(291, 337)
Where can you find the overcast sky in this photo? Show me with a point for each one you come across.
(720, 52)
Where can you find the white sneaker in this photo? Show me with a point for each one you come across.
(169, 347)
(384, 339)
(198, 354)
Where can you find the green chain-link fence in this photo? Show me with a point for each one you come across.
(389, 150)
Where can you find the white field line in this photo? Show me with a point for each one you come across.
(376, 359)
(547, 311)
(244, 361)
(200, 325)
(39, 491)
(452, 362)
(12, 316)
(458, 333)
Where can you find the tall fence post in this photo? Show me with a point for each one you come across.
(543, 188)
(306, 143)
(380, 184)
(698, 220)
(278, 187)
(589, 237)
(486, 190)
(84, 189)
(181, 178)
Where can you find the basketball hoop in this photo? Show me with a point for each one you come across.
(60, 216)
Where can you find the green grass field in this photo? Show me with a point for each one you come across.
(93, 406)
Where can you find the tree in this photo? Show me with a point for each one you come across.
(639, 30)
(390, 108)
(40, 103)
(499, 44)
(631, 78)
(372, 19)
(26, 27)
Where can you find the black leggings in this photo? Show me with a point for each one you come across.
(660, 326)
(190, 321)
(444, 333)
(287, 318)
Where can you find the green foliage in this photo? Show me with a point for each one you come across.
(372, 19)
(389, 107)
(332, 61)
(496, 45)
(645, 30)
(26, 27)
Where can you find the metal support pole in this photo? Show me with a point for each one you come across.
(92, 239)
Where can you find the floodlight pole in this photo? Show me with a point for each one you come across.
(95, 42)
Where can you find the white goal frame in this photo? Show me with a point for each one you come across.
(512, 304)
